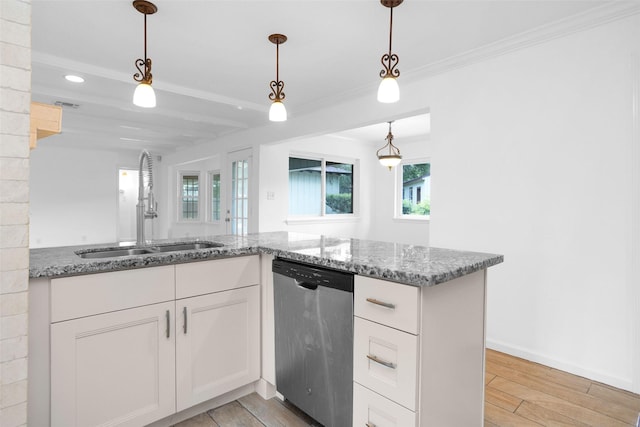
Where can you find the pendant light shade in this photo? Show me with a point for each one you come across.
(389, 91)
(389, 155)
(277, 112)
(144, 96)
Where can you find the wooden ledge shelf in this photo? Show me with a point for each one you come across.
(46, 120)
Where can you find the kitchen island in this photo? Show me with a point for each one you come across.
(434, 335)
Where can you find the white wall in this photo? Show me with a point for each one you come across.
(532, 158)
(74, 194)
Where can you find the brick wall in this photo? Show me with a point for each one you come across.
(15, 99)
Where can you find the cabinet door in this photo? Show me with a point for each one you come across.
(115, 369)
(217, 344)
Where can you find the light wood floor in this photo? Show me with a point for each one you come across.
(518, 393)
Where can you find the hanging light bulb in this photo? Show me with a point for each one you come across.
(144, 96)
(277, 112)
(389, 155)
(389, 91)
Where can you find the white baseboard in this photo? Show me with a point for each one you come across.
(612, 380)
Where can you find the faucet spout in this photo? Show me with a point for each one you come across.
(143, 213)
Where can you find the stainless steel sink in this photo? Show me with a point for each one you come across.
(185, 246)
(122, 252)
(113, 252)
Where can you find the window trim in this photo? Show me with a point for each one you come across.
(398, 216)
(180, 218)
(324, 217)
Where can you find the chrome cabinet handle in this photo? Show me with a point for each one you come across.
(381, 362)
(168, 316)
(383, 304)
(184, 313)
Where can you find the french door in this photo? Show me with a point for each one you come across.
(239, 212)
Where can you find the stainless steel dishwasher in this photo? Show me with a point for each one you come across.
(314, 340)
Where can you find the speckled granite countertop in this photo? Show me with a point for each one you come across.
(413, 265)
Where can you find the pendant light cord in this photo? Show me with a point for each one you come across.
(390, 30)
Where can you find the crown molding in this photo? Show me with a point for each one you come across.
(561, 28)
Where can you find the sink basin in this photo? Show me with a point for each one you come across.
(185, 246)
(170, 247)
(115, 252)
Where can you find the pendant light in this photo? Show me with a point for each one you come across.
(277, 112)
(144, 96)
(390, 156)
(388, 91)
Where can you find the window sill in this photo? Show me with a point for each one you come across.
(414, 219)
(321, 219)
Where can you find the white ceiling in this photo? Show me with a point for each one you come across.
(212, 61)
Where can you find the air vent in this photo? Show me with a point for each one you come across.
(66, 104)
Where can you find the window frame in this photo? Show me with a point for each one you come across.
(398, 193)
(324, 217)
(181, 175)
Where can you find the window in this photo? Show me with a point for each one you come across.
(320, 187)
(189, 196)
(415, 176)
(214, 193)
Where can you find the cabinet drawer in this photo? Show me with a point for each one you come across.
(371, 409)
(393, 373)
(389, 303)
(79, 296)
(205, 277)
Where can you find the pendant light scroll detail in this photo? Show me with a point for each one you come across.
(144, 96)
(277, 112)
(388, 91)
(389, 155)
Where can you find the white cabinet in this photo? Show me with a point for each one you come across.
(218, 344)
(125, 351)
(419, 352)
(114, 368)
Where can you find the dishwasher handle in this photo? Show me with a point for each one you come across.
(306, 285)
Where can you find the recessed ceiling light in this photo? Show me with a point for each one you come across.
(74, 78)
(239, 107)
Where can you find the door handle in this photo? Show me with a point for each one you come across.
(184, 326)
(168, 316)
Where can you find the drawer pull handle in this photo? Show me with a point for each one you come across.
(383, 304)
(370, 425)
(381, 362)
(168, 316)
(184, 313)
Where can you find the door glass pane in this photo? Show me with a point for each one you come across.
(215, 196)
(240, 196)
(339, 188)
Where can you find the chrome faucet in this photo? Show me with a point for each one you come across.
(152, 211)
